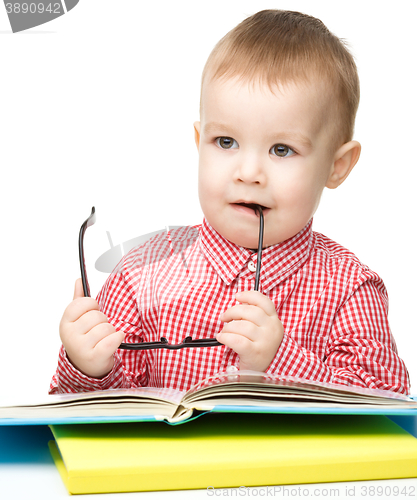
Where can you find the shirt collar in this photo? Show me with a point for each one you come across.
(278, 261)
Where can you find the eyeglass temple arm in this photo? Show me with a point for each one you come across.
(87, 223)
(260, 244)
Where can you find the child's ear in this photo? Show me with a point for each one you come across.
(197, 133)
(345, 159)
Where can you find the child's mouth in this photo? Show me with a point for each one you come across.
(251, 207)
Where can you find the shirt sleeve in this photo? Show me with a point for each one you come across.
(68, 379)
(117, 302)
(360, 349)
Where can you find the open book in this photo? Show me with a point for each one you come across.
(242, 391)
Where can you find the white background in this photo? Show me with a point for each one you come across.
(97, 108)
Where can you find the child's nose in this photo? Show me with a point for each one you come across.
(250, 170)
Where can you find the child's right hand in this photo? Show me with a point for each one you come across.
(89, 339)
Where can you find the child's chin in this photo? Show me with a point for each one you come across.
(245, 242)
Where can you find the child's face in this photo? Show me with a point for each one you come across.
(272, 149)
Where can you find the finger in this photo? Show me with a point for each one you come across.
(109, 343)
(244, 328)
(96, 334)
(238, 343)
(78, 289)
(78, 307)
(255, 298)
(88, 321)
(254, 314)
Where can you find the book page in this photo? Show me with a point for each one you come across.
(256, 387)
(111, 402)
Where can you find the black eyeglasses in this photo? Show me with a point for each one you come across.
(163, 343)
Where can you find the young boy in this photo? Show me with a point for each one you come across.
(278, 103)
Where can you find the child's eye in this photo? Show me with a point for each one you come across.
(226, 143)
(281, 150)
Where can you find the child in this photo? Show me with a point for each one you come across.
(278, 102)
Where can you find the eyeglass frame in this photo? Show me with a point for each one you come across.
(163, 343)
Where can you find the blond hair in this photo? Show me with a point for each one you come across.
(278, 47)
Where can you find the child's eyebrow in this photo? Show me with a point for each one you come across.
(216, 127)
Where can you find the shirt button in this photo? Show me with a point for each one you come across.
(252, 266)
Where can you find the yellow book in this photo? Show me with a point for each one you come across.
(231, 450)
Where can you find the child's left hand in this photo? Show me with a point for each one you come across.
(253, 330)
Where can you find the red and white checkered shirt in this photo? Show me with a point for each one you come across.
(333, 308)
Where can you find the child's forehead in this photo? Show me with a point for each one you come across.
(313, 94)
